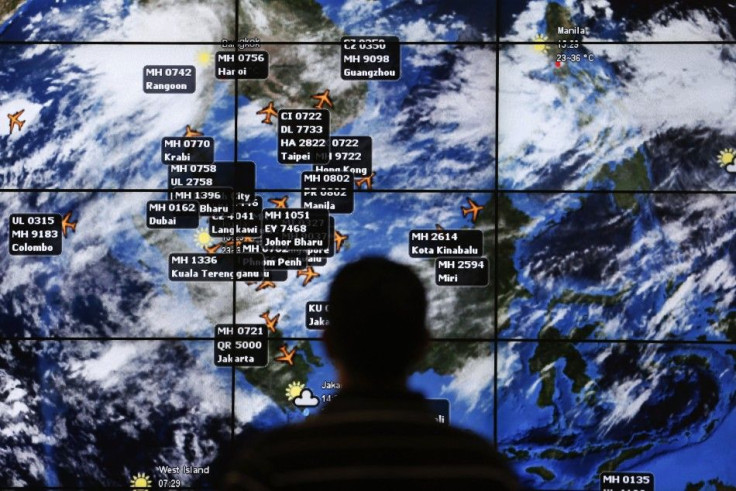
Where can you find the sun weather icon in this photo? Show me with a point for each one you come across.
(140, 481)
(294, 390)
(202, 237)
(726, 159)
(539, 41)
(204, 57)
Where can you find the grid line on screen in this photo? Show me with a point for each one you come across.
(495, 222)
(495, 193)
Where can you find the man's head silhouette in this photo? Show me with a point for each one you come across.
(377, 330)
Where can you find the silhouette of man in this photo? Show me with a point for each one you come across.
(376, 434)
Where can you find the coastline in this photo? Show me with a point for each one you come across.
(695, 463)
(8, 8)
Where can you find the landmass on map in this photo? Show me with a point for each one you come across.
(298, 71)
(7, 7)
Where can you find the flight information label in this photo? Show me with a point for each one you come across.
(275, 275)
(187, 150)
(461, 272)
(169, 79)
(318, 257)
(285, 260)
(445, 243)
(332, 192)
(353, 154)
(250, 65)
(627, 481)
(241, 345)
(187, 266)
(316, 315)
(172, 214)
(304, 136)
(238, 246)
(294, 228)
(212, 201)
(244, 222)
(35, 234)
(276, 260)
(240, 176)
(370, 58)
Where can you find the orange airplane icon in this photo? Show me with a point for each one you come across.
(269, 111)
(279, 202)
(323, 98)
(270, 322)
(368, 181)
(474, 209)
(216, 247)
(286, 356)
(309, 274)
(14, 120)
(192, 132)
(265, 284)
(65, 224)
(339, 239)
(213, 248)
(237, 242)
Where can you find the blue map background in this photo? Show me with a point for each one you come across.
(589, 258)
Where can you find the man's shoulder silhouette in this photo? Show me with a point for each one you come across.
(371, 440)
(376, 434)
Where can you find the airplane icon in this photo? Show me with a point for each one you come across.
(279, 202)
(323, 98)
(269, 111)
(236, 242)
(270, 322)
(14, 120)
(286, 356)
(190, 132)
(309, 274)
(213, 248)
(474, 209)
(65, 224)
(216, 247)
(437, 226)
(265, 284)
(339, 239)
(368, 181)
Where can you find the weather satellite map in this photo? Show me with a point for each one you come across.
(179, 182)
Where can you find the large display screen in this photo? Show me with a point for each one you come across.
(180, 181)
